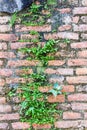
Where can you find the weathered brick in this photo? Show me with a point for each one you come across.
(55, 79)
(19, 63)
(56, 62)
(60, 71)
(77, 80)
(84, 2)
(81, 71)
(71, 115)
(82, 54)
(18, 45)
(80, 10)
(64, 27)
(1, 62)
(63, 35)
(4, 19)
(28, 36)
(71, 124)
(8, 37)
(5, 28)
(59, 98)
(64, 106)
(2, 100)
(68, 88)
(77, 97)
(64, 10)
(3, 46)
(84, 19)
(75, 19)
(44, 28)
(84, 36)
(81, 88)
(77, 62)
(78, 45)
(16, 80)
(5, 72)
(12, 116)
(85, 115)
(66, 124)
(20, 125)
(79, 106)
(4, 126)
(2, 82)
(43, 126)
(5, 108)
(80, 28)
(20, 72)
(7, 55)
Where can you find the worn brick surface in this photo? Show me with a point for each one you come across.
(68, 23)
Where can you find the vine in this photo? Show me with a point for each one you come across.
(34, 107)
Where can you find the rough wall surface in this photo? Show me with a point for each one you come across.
(70, 70)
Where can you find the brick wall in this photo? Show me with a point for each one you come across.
(70, 70)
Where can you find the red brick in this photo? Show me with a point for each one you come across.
(60, 71)
(16, 80)
(28, 36)
(1, 62)
(43, 126)
(64, 53)
(5, 72)
(63, 35)
(68, 88)
(56, 62)
(59, 98)
(5, 108)
(81, 71)
(8, 37)
(77, 80)
(77, 97)
(12, 116)
(75, 19)
(4, 126)
(80, 10)
(19, 63)
(64, 27)
(66, 124)
(2, 82)
(82, 54)
(20, 125)
(80, 28)
(3, 46)
(18, 45)
(78, 45)
(71, 115)
(44, 28)
(2, 100)
(7, 55)
(77, 62)
(64, 10)
(20, 72)
(79, 106)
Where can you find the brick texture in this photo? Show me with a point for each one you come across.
(68, 26)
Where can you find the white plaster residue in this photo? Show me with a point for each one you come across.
(19, 4)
